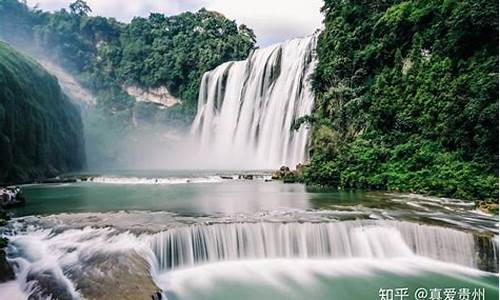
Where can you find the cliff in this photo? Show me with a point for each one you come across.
(41, 132)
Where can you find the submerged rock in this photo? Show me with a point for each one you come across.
(246, 176)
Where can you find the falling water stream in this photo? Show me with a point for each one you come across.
(246, 109)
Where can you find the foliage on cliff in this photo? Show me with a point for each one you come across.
(407, 97)
(40, 130)
(105, 54)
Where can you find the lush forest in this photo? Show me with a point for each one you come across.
(406, 91)
(407, 97)
(105, 55)
(41, 131)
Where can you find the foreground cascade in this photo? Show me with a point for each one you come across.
(247, 109)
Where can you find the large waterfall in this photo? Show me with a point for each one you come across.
(246, 109)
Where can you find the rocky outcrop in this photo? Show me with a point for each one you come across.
(129, 273)
(11, 197)
(488, 207)
(160, 95)
(287, 175)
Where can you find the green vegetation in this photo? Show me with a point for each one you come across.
(407, 98)
(105, 55)
(40, 130)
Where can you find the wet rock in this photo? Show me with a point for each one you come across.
(487, 207)
(46, 285)
(115, 276)
(486, 252)
(4, 218)
(6, 272)
(285, 174)
(11, 197)
(246, 176)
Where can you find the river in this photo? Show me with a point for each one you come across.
(215, 235)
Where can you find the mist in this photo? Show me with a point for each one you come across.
(135, 144)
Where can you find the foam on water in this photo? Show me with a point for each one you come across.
(280, 272)
(58, 254)
(14, 290)
(143, 180)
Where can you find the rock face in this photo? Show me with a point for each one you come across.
(160, 96)
(41, 131)
(69, 85)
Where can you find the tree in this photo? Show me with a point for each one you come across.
(80, 8)
(407, 97)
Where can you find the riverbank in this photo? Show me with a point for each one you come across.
(300, 175)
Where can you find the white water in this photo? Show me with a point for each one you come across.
(189, 246)
(124, 180)
(44, 251)
(295, 278)
(246, 109)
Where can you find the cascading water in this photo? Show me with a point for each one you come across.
(246, 109)
(188, 246)
(70, 258)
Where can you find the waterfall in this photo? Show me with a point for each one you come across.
(63, 262)
(189, 246)
(246, 109)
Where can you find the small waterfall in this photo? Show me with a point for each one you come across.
(246, 109)
(63, 262)
(188, 246)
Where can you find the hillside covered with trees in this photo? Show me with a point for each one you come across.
(105, 55)
(407, 97)
(41, 132)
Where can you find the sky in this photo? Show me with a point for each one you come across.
(272, 20)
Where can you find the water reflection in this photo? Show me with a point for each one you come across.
(192, 199)
(250, 198)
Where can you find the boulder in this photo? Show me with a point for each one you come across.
(285, 174)
(11, 197)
